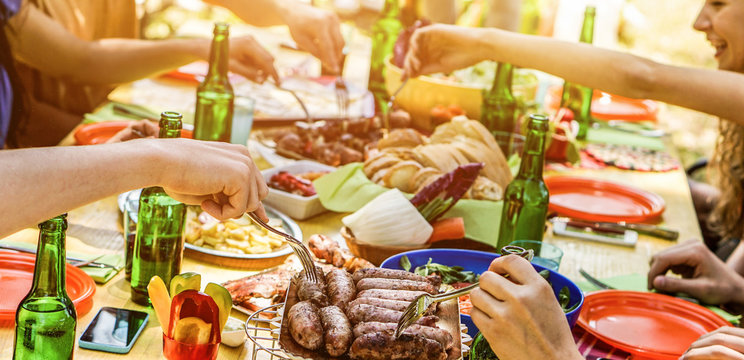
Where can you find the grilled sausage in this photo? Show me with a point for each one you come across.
(441, 336)
(395, 274)
(396, 284)
(340, 287)
(383, 346)
(390, 304)
(401, 295)
(309, 291)
(366, 313)
(305, 326)
(337, 330)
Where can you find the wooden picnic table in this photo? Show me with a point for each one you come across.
(601, 260)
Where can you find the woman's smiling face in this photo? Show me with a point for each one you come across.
(722, 21)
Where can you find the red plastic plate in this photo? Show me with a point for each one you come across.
(598, 200)
(648, 325)
(98, 133)
(17, 274)
(607, 106)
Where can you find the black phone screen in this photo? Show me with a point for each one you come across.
(114, 327)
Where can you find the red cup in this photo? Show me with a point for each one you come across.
(176, 350)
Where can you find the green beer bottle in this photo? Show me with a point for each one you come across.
(214, 96)
(158, 245)
(384, 34)
(578, 98)
(498, 109)
(46, 317)
(526, 197)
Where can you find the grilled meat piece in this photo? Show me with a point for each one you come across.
(305, 326)
(441, 336)
(383, 346)
(401, 295)
(390, 304)
(365, 313)
(360, 274)
(337, 330)
(396, 284)
(327, 249)
(340, 287)
(309, 291)
(268, 285)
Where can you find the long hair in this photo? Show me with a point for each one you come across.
(728, 161)
(20, 106)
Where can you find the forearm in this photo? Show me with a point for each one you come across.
(136, 59)
(719, 93)
(44, 44)
(40, 183)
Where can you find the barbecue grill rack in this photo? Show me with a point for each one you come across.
(264, 333)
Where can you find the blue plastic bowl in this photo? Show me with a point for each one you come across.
(478, 262)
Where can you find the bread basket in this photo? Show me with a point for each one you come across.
(375, 254)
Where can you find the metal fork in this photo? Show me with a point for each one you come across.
(299, 248)
(342, 97)
(390, 102)
(418, 306)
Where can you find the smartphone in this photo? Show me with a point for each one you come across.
(113, 330)
(626, 238)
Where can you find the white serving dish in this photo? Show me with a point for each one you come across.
(295, 206)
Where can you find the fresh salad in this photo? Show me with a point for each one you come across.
(455, 276)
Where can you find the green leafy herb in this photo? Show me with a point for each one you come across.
(405, 263)
(564, 296)
(449, 274)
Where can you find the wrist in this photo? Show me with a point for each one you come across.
(489, 41)
(152, 161)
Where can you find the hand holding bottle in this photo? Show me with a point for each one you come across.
(250, 59)
(220, 177)
(519, 315)
(444, 48)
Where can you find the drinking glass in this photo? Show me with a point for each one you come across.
(242, 120)
(131, 206)
(546, 255)
(176, 350)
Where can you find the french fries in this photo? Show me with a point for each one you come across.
(238, 236)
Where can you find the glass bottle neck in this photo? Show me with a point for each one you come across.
(219, 54)
(49, 271)
(587, 29)
(502, 81)
(170, 125)
(391, 8)
(533, 155)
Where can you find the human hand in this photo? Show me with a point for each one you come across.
(704, 276)
(220, 177)
(318, 32)
(520, 316)
(250, 59)
(136, 129)
(725, 343)
(442, 48)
